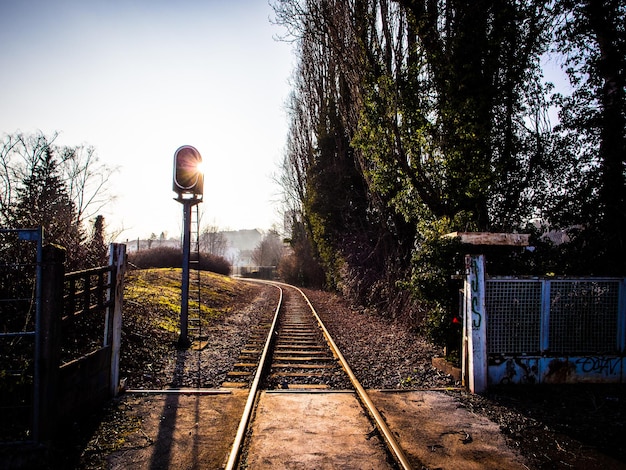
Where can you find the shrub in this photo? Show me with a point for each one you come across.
(301, 269)
(168, 257)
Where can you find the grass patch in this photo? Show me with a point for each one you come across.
(151, 318)
(147, 286)
(159, 289)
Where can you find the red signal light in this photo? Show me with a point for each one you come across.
(188, 177)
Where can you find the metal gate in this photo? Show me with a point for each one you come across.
(555, 316)
(542, 330)
(20, 307)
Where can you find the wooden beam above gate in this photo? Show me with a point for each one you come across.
(491, 239)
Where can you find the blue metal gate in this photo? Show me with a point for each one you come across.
(556, 330)
(20, 307)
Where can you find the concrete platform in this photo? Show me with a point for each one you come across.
(178, 431)
(313, 431)
(435, 432)
(307, 430)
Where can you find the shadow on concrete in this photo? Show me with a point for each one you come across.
(162, 455)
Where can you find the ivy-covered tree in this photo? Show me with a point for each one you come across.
(322, 173)
(591, 36)
(434, 102)
(451, 123)
(413, 118)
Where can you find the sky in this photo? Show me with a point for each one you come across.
(137, 79)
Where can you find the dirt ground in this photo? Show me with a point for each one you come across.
(315, 431)
(437, 429)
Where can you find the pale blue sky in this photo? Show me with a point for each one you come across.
(138, 79)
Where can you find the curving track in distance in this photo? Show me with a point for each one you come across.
(299, 353)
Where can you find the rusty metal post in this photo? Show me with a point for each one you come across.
(475, 324)
(115, 297)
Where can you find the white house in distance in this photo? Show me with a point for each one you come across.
(241, 244)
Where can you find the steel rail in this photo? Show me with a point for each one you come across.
(233, 458)
(178, 391)
(397, 452)
(380, 423)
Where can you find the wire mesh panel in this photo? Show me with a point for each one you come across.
(18, 316)
(513, 316)
(584, 316)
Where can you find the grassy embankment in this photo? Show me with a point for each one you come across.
(152, 297)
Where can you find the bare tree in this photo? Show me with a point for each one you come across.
(84, 175)
(213, 241)
(19, 156)
(87, 179)
(269, 251)
(59, 188)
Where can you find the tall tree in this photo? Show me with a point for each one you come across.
(592, 37)
(450, 110)
(43, 200)
(322, 172)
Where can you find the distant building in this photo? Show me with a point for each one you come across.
(241, 244)
(243, 239)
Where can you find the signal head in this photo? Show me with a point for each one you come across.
(188, 175)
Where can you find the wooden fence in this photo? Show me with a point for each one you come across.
(81, 319)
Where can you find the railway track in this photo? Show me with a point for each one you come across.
(301, 357)
(294, 354)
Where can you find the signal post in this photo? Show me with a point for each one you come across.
(189, 187)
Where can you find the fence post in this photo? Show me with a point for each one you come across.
(475, 324)
(113, 333)
(49, 357)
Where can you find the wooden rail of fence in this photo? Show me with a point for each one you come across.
(82, 295)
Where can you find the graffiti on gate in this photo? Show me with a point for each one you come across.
(555, 370)
(515, 370)
(472, 267)
(605, 365)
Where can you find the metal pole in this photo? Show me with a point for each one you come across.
(37, 375)
(183, 341)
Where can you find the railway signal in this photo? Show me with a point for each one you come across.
(189, 185)
(188, 176)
